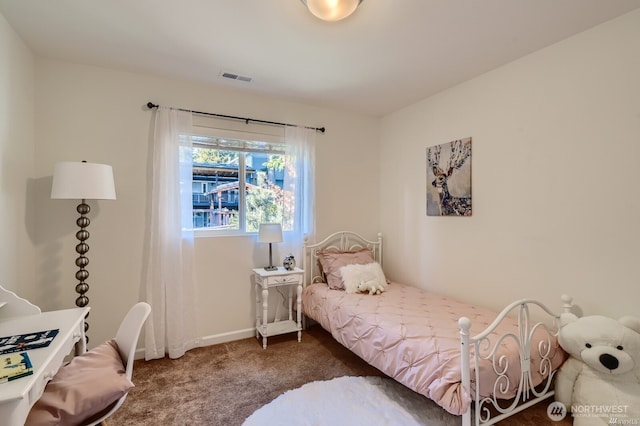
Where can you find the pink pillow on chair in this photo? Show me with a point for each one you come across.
(83, 388)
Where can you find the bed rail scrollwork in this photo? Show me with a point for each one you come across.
(492, 409)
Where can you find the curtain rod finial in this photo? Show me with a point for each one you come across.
(151, 105)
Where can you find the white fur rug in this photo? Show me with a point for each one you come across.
(351, 401)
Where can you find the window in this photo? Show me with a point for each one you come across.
(238, 184)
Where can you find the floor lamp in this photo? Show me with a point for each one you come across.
(83, 181)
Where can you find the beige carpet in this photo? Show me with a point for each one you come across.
(223, 385)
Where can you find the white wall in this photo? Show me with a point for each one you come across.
(95, 114)
(556, 145)
(17, 103)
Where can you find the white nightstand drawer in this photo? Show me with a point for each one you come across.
(278, 277)
(286, 279)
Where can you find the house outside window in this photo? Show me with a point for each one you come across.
(238, 184)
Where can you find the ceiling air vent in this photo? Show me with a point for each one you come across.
(232, 76)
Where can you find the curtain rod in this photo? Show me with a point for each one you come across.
(151, 105)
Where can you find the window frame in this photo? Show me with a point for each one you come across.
(257, 134)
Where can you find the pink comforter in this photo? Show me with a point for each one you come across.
(413, 336)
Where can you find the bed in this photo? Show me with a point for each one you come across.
(474, 362)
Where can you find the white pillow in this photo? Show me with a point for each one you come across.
(353, 274)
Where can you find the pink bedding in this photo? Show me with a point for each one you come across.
(413, 336)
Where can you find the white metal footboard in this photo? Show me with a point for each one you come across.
(487, 410)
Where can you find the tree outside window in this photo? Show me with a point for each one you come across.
(219, 203)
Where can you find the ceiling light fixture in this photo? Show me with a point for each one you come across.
(332, 10)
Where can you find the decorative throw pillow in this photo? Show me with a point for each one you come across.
(352, 275)
(89, 384)
(332, 260)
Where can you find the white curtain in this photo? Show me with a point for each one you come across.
(168, 281)
(299, 181)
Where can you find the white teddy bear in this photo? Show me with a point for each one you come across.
(600, 381)
(371, 286)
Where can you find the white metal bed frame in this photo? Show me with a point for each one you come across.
(482, 411)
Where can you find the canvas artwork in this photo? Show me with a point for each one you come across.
(449, 179)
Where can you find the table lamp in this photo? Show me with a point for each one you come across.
(270, 233)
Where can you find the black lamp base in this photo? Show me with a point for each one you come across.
(82, 261)
(270, 267)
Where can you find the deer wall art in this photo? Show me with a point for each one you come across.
(449, 179)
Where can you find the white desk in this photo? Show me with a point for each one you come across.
(18, 396)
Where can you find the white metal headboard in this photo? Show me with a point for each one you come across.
(342, 241)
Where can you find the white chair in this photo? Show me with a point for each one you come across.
(127, 339)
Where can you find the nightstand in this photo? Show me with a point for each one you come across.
(266, 280)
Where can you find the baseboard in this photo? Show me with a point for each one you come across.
(215, 339)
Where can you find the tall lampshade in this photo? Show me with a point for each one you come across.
(332, 10)
(83, 181)
(270, 233)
